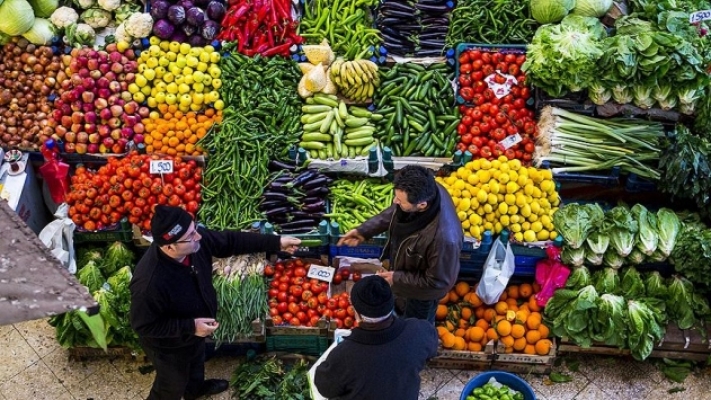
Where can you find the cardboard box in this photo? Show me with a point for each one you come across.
(23, 193)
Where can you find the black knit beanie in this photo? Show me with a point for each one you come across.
(372, 297)
(169, 224)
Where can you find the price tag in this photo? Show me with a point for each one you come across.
(510, 141)
(161, 167)
(699, 16)
(500, 84)
(321, 273)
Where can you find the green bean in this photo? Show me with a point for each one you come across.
(498, 21)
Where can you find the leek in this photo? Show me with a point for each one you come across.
(576, 143)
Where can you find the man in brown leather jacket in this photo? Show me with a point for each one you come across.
(424, 242)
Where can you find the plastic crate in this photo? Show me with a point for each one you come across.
(120, 232)
(575, 102)
(526, 266)
(607, 178)
(636, 184)
(307, 345)
(371, 248)
(490, 48)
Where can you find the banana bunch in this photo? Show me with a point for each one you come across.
(333, 131)
(355, 80)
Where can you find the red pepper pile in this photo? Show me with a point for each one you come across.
(489, 126)
(262, 27)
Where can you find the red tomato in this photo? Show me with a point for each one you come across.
(303, 318)
(306, 295)
(473, 149)
(464, 58)
(477, 76)
(345, 273)
(295, 321)
(343, 303)
(474, 55)
(322, 298)
(278, 320)
(465, 68)
(337, 279)
(348, 322)
(273, 312)
(510, 154)
(314, 321)
(466, 139)
(485, 152)
(332, 304)
(297, 280)
(351, 311)
(296, 291)
(282, 307)
(341, 313)
(174, 200)
(294, 308)
(282, 296)
(273, 292)
(465, 80)
(467, 93)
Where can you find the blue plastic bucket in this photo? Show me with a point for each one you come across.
(505, 378)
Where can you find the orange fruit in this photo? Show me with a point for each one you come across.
(491, 334)
(543, 347)
(521, 316)
(501, 307)
(503, 296)
(449, 325)
(453, 296)
(460, 332)
(529, 349)
(533, 304)
(511, 302)
(507, 341)
(444, 299)
(533, 336)
(544, 331)
(520, 344)
(448, 340)
(479, 311)
(508, 350)
(459, 343)
(489, 314)
(474, 346)
(461, 288)
(481, 323)
(463, 323)
(525, 290)
(503, 328)
(536, 287)
(476, 333)
(473, 299)
(534, 320)
(441, 331)
(467, 313)
(518, 331)
(441, 312)
(512, 291)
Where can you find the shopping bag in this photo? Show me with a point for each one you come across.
(498, 268)
(551, 275)
(58, 236)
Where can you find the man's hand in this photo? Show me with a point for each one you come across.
(387, 275)
(290, 244)
(352, 238)
(205, 326)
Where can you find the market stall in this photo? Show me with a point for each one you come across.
(575, 134)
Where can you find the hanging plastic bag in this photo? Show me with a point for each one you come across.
(551, 274)
(498, 268)
(58, 237)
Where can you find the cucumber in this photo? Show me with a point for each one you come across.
(315, 108)
(365, 141)
(316, 137)
(325, 100)
(312, 145)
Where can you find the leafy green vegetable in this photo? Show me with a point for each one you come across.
(17, 17)
(96, 326)
(647, 235)
(573, 257)
(655, 285)
(680, 302)
(268, 378)
(636, 257)
(592, 8)
(560, 378)
(563, 57)
(117, 256)
(668, 226)
(676, 371)
(644, 329)
(591, 257)
(612, 259)
(90, 276)
(691, 256)
(612, 319)
(579, 278)
(632, 284)
(598, 241)
(607, 280)
(622, 228)
(550, 11)
(575, 222)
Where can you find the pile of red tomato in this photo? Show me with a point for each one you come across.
(488, 119)
(297, 300)
(125, 188)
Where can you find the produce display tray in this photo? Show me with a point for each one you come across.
(575, 102)
(320, 234)
(306, 345)
(371, 248)
(85, 353)
(636, 184)
(525, 363)
(123, 232)
(490, 48)
(677, 344)
(464, 359)
(287, 330)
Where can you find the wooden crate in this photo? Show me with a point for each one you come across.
(322, 329)
(525, 363)
(677, 344)
(464, 359)
(84, 353)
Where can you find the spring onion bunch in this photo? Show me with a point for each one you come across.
(573, 143)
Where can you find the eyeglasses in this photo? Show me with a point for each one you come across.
(191, 236)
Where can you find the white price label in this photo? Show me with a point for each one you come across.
(510, 141)
(161, 167)
(500, 83)
(321, 273)
(699, 16)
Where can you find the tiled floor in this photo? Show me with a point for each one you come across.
(35, 367)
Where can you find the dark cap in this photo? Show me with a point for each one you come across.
(372, 297)
(169, 224)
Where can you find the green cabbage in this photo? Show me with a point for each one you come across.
(591, 8)
(16, 17)
(550, 11)
(41, 32)
(44, 8)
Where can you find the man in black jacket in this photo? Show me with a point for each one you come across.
(424, 241)
(382, 358)
(173, 302)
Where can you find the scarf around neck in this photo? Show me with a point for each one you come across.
(407, 224)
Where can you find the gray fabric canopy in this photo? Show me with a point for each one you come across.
(33, 284)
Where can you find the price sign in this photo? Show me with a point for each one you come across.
(161, 167)
(500, 83)
(510, 141)
(321, 273)
(699, 16)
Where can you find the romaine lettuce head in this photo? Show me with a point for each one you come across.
(680, 303)
(635, 257)
(612, 259)
(607, 280)
(598, 241)
(573, 257)
(579, 278)
(575, 222)
(622, 228)
(592, 258)
(587, 299)
(655, 285)
(632, 284)
(668, 227)
(647, 237)
(612, 318)
(90, 276)
(644, 330)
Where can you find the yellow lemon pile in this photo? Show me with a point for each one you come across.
(498, 194)
(178, 74)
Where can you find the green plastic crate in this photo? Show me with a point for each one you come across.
(122, 233)
(307, 345)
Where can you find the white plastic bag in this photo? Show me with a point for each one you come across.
(338, 336)
(498, 268)
(58, 237)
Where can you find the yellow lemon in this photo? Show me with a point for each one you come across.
(494, 187)
(510, 199)
(525, 210)
(503, 208)
(543, 235)
(488, 208)
(488, 226)
(492, 199)
(518, 236)
(515, 228)
(513, 210)
(475, 231)
(536, 193)
(504, 177)
(553, 235)
(466, 224)
(505, 221)
(485, 164)
(512, 187)
(482, 196)
(529, 236)
(537, 226)
(473, 179)
(466, 194)
(515, 219)
(484, 176)
(535, 208)
(462, 215)
(476, 164)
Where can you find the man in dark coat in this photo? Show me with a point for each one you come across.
(382, 358)
(424, 241)
(173, 302)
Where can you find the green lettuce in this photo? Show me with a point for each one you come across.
(612, 319)
(612, 259)
(607, 280)
(635, 257)
(668, 227)
(591, 257)
(575, 222)
(90, 276)
(622, 228)
(655, 285)
(632, 283)
(680, 304)
(573, 257)
(117, 256)
(597, 243)
(644, 329)
(647, 235)
(578, 279)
